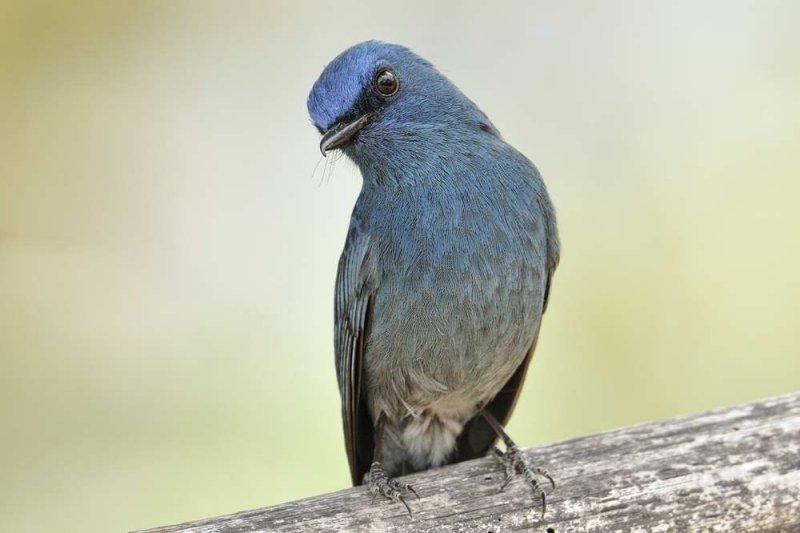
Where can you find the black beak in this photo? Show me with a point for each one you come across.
(341, 133)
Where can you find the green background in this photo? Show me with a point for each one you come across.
(169, 236)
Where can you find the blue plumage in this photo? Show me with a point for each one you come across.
(445, 272)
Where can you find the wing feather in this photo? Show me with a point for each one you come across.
(351, 312)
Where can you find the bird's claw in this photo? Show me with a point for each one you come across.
(390, 488)
(515, 464)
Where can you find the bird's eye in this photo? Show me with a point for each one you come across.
(386, 83)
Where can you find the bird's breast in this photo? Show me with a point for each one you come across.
(457, 306)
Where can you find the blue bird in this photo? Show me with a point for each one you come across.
(445, 272)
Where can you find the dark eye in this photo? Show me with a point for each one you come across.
(386, 82)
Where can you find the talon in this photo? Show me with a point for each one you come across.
(389, 488)
(544, 504)
(505, 484)
(514, 464)
(410, 514)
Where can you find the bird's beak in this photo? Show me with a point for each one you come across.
(341, 133)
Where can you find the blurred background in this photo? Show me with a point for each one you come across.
(169, 234)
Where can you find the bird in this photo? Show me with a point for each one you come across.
(445, 273)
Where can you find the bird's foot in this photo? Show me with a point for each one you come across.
(514, 463)
(390, 488)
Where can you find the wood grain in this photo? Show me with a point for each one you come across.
(735, 469)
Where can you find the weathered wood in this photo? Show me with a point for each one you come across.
(735, 469)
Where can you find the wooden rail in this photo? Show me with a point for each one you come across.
(735, 469)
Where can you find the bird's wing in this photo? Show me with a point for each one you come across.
(351, 315)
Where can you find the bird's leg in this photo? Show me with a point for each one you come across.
(378, 482)
(514, 462)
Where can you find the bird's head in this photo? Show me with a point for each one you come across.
(378, 98)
